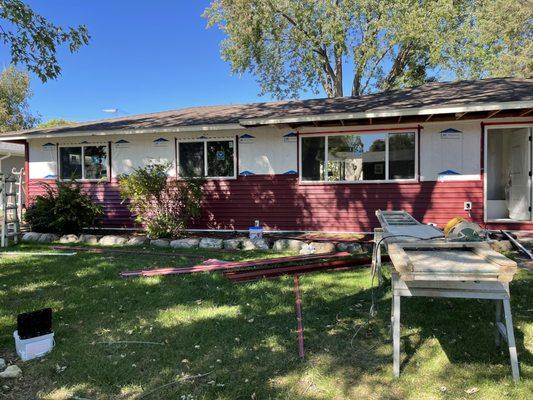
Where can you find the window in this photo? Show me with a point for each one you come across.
(207, 158)
(83, 162)
(358, 157)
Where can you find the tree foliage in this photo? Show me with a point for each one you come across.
(51, 123)
(33, 40)
(14, 94)
(292, 45)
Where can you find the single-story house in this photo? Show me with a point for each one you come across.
(438, 150)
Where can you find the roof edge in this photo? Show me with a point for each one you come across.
(474, 107)
(188, 128)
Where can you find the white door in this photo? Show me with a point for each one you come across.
(519, 199)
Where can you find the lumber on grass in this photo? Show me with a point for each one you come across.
(228, 266)
(123, 251)
(339, 265)
(299, 316)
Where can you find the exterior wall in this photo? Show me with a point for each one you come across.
(7, 165)
(268, 189)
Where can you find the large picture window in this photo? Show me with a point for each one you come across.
(358, 157)
(207, 158)
(83, 162)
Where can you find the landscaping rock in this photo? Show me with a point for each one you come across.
(307, 249)
(287, 244)
(31, 236)
(185, 243)
(88, 239)
(257, 244)
(137, 241)
(12, 371)
(211, 243)
(48, 237)
(160, 242)
(2, 364)
(350, 247)
(323, 247)
(68, 239)
(111, 240)
(233, 244)
(502, 245)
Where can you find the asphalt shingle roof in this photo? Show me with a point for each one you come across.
(439, 94)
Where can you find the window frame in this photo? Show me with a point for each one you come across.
(206, 166)
(385, 132)
(82, 179)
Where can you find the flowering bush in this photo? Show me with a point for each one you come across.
(163, 205)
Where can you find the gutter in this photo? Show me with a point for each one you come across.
(178, 129)
(474, 107)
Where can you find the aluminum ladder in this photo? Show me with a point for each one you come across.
(10, 209)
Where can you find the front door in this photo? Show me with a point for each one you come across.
(519, 191)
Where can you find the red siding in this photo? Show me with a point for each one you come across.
(279, 202)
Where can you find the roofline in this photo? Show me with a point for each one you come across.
(187, 128)
(474, 107)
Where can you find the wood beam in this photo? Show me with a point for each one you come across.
(526, 112)
(429, 117)
(460, 115)
(493, 113)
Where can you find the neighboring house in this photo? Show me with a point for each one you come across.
(326, 164)
(11, 156)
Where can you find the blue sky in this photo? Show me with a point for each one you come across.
(144, 56)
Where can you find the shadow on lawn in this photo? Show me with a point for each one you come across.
(250, 328)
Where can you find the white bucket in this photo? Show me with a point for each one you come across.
(35, 347)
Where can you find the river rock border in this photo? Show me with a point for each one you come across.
(208, 243)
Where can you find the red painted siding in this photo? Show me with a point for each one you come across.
(279, 202)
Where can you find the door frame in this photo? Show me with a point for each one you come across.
(509, 125)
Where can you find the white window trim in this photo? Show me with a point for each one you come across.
(386, 132)
(108, 164)
(232, 177)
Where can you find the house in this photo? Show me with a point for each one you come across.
(438, 151)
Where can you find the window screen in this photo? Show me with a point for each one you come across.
(191, 156)
(95, 162)
(402, 155)
(70, 162)
(220, 159)
(313, 158)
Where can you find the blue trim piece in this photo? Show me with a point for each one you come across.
(49, 144)
(121, 141)
(202, 137)
(160, 140)
(290, 134)
(50, 177)
(449, 172)
(246, 173)
(84, 142)
(451, 130)
(247, 136)
(290, 172)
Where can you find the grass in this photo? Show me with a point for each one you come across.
(243, 336)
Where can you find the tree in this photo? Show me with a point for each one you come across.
(293, 45)
(51, 123)
(14, 94)
(33, 40)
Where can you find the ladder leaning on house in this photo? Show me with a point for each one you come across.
(11, 206)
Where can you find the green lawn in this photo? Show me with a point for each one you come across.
(243, 336)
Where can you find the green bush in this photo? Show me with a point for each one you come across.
(163, 205)
(62, 209)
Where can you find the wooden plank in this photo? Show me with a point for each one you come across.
(227, 266)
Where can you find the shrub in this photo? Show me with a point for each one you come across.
(62, 209)
(163, 206)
